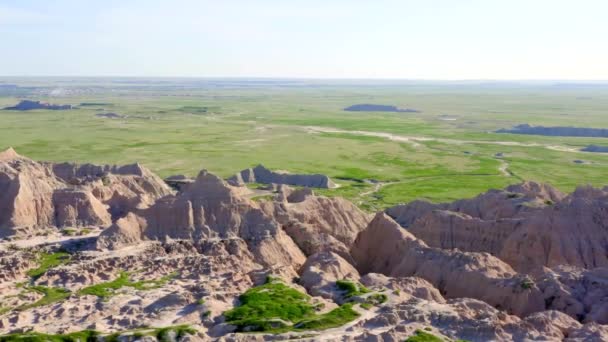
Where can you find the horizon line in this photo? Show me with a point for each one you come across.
(319, 78)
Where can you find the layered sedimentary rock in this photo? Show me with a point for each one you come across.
(260, 174)
(38, 195)
(321, 271)
(318, 223)
(384, 247)
(209, 208)
(527, 225)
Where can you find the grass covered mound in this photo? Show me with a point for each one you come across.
(351, 289)
(276, 307)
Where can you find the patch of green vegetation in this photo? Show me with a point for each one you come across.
(166, 334)
(421, 336)
(273, 300)
(51, 295)
(366, 305)
(179, 331)
(47, 261)
(332, 319)
(107, 289)
(81, 336)
(275, 307)
(4, 310)
(351, 289)
(376, 298)
(69, 231)
(262, 198)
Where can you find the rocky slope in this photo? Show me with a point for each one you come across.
(115, 250)
(528, 225)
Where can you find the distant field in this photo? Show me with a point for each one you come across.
(182, 126)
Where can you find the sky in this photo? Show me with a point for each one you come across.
(395, 39)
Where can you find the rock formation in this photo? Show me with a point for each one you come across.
(528, 225)
(31, 105)
(557, 131)
(527, 263)
(318, 223)
(41, 195)
(384, 247)
(378, 108)
(260, 174)
(595, 149)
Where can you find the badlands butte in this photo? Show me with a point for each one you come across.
(113, 253)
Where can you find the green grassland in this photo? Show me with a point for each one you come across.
(180, 130)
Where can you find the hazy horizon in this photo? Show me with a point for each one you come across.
(436, 40)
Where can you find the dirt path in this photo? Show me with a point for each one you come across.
(377, 186)
(415, 140)
(504, 166)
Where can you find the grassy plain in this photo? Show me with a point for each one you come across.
(182, 126)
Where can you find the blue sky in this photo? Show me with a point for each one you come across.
(422, 39)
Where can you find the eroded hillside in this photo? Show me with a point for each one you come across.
(111, 251)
